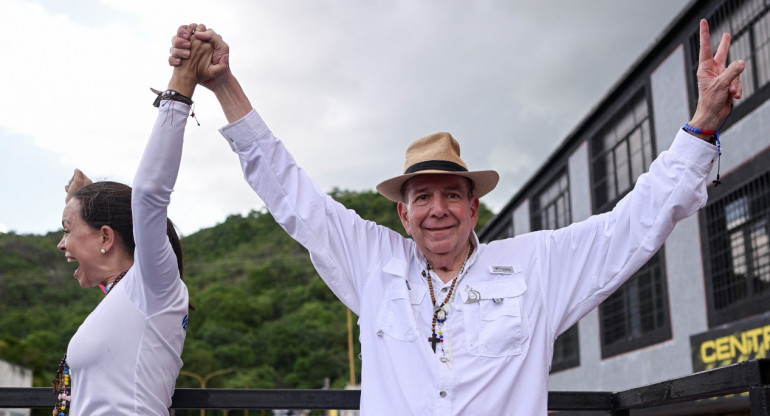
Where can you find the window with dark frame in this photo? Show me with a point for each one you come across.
(549, 210)
(566, 350)
(637, 314)
(620, 152)
(748, 22)
(737, 244)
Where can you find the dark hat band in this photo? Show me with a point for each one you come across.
(435, 165)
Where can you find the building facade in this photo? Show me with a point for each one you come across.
(12, 375)
(703, 300)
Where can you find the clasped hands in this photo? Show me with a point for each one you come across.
(199, 55)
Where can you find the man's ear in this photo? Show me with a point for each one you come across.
(403, 213)
(474, 210)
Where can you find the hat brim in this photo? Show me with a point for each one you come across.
(484, 181)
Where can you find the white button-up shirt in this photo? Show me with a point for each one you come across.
(514, 298)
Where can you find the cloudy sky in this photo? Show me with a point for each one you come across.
(346, 84)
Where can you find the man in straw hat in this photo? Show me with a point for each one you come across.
(450, 326)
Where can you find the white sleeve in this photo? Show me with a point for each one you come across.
(345, 249)
(154, 258)
(586, 262)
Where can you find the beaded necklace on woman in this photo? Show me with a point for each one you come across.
(441, 311)
(62, 383)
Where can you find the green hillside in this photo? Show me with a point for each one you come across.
(262, 310)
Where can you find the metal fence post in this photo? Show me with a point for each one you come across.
(760, 400)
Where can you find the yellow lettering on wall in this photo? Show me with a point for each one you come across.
(744, 345)
(754, 334)
(723, 348)
(708, 352)
(766, 338)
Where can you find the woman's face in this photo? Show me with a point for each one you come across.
(81, 243)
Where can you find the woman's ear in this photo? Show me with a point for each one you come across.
(107, 235)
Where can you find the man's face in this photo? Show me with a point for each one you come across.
(439, 213)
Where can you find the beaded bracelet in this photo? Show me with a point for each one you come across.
(715, 135)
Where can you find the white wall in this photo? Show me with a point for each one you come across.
(14, 376)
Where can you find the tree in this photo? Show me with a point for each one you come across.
(262, 308)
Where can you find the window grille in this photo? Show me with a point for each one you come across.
(549, 210)
(621, 151)
(737, 261)
(637, 314)
(566, 350)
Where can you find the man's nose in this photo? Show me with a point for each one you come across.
(438, 206)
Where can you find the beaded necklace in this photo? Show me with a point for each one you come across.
(441, 312)
(62, 384)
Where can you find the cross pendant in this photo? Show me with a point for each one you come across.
(433, 340)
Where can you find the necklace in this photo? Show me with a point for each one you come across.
(62, 384)
(441, 312)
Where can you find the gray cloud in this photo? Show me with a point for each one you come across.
(348, 84)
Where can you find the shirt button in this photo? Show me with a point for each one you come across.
(442, 393)
(444, 289)
(379, 333)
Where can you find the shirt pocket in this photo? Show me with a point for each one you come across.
(494, 317)
(396, 315)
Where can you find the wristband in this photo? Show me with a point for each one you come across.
(713, 133)
(700, 131)
(170, 95)
(714, 140)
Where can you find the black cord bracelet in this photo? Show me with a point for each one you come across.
(170, 95)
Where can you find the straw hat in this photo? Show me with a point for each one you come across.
(438, 153)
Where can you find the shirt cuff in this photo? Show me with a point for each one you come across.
(239, 134)
(696, 152)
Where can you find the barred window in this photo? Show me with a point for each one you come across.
(566, 350)
(637, 314)
(549, 210)
(737, 261)
(748, 22)
(621, 151)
